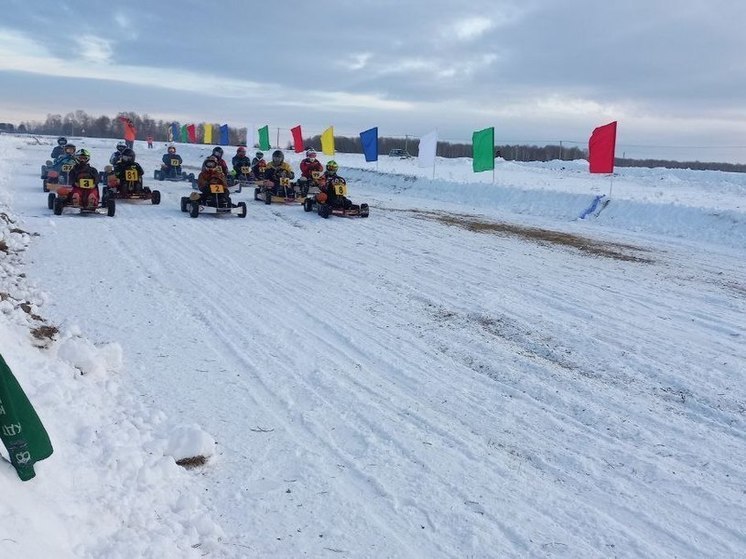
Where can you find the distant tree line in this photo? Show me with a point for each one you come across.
(79, 123)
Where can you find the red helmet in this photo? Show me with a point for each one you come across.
(241, 150)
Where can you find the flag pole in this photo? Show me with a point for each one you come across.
(611, 183)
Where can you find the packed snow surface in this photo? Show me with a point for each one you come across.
(472, 371)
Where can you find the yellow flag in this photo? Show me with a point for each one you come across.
(327, 141)
(208, 134)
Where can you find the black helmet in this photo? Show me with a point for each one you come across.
(128, 155)
(61, 141)
(210, 162)
(259, 155)
(217, 152)
(121, 146)
(277, 157)
(70, 149)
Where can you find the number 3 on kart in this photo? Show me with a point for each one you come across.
(86, 183)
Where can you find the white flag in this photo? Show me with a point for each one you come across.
(250, 136)
(428, 146)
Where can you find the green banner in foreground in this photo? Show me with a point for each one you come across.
(20, 428)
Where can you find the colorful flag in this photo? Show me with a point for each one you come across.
(369, 140)
(207, 138)
(184, 134)
(129, 129)
(297, 139)
(191, 133)
(224, 136)
(264, 138)
(250, 136)
(21, 429)
(601, 147)
(172, 131)
(427, 149)
(327, 141)
(483, 150)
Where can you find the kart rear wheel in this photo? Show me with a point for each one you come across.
(307, 205)
(256, 193)
(111, 207)
(364, 211)
(184, 203)
(241, 209)
(44, 185)
(324, 210)
(267, 197)
(155, 197)
(194, 209)
(59, 203)
(50, 200)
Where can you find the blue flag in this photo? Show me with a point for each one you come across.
(224, 135)
(369, 139)
(175, 132)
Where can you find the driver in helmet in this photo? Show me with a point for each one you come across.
(332, 181)
(171, 162)
(240, 160)
(127, 163)
(211, 174)
(278, 169)
(80, 196)
(59, 149)
(121, 146)
(217, 153)
(257, 158)
(309, 165)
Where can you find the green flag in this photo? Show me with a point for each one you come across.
(20, 428)
(264, 138)
(483, 150)
(184, 134)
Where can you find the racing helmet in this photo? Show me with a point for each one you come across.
(83, 156)
(261, 164)
(121, 146)
(277, 157)
(210, 162)
(128, 155)
(311, 154)
(218, 152)
(172, 149)
(70, 149)
(332, 166)
(259, 155)
(241, 150)
(61, 141)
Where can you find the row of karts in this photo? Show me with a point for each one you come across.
(217, 201)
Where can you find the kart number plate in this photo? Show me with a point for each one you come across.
(245, 170)
(175, 163)
(87, 183)
(66, 168)
(340, 189)
(131, 175)
(217, 188)
(316, 175)
(284, 181)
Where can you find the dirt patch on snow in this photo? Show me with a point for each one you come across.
(618, 251)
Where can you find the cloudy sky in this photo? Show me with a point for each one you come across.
(540, 71)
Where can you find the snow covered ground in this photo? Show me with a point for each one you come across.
(470, 372)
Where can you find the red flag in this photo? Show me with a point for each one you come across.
(191, 134)
(129, 129)
(297, 139)
(601, 148)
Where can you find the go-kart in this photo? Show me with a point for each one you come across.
(345, 208)
(55, 178)
(243, 178)
(129, 189)
(173, 173)
(281, 192)
(216, 200)
(64, 199)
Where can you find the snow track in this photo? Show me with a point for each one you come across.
(397, 387)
